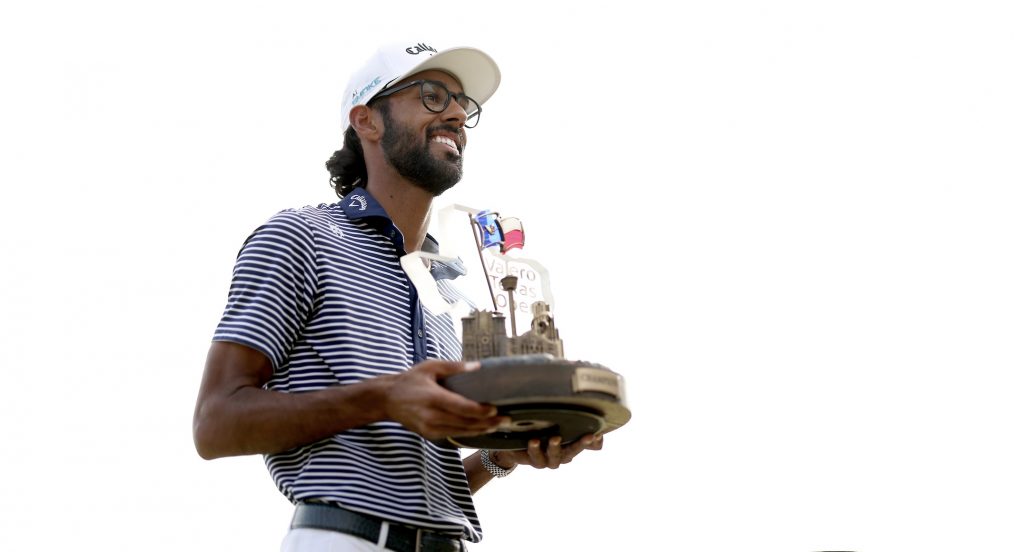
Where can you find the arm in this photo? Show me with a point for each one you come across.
(235, 416)
(551, 457)
(475, 472)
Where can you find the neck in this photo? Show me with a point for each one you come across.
(407, 205)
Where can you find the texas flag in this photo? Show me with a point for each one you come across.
(514, 237)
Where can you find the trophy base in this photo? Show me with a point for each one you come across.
(544, 397)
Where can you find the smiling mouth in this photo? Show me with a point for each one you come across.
(447, 142)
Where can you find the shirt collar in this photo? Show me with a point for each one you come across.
(359, 204)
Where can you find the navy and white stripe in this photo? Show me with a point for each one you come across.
(320, 291)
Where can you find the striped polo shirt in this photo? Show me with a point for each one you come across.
(320, 291)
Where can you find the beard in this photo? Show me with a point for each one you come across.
(413, 160)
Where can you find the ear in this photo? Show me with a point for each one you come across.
(366, 122)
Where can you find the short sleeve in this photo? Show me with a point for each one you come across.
(273, 288)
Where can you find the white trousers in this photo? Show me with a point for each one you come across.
(319, 540)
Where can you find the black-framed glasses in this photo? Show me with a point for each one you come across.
(436, 98)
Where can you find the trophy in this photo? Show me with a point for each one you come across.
(524, 372)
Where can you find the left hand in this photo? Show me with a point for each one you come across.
(553, 456)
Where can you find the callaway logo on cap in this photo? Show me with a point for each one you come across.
(475, 70)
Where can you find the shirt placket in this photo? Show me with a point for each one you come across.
(417, 315)
(418, 326)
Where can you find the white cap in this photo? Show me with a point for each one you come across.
(476, 71)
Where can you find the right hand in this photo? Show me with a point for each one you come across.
(418, 401)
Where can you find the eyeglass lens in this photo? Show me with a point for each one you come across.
(436, 97)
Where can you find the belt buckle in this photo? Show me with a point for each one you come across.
(436, 541)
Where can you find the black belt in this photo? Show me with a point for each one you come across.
(400, 537)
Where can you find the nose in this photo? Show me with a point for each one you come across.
(454, 112)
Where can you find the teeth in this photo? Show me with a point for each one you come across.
(446, 141)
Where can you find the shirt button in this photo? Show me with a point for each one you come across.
(420, 332)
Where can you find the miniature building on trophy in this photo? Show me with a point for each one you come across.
(483, 335)
(542, 338)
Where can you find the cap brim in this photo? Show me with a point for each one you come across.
(475, 70)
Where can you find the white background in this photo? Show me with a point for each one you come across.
(798, 229)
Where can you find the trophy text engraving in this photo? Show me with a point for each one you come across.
(595, 379)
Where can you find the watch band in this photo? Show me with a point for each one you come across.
(494, 469)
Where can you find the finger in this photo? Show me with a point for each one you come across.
(536, 456)
(554, 453)
(459, 405)
(452, 402)
(440, 427)
(444, 368)
(492, 423)
(467, 425)
(571, 451)
(592, 442)
(441, 432)
(579, 446)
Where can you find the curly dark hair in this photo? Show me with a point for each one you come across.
(347, 165)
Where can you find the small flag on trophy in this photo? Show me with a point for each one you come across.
(514, 237)
(490, 229)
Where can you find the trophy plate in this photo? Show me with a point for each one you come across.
(544, 397)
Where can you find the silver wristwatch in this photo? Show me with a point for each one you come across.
(497, 471)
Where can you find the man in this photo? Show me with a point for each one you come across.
(326, 362)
